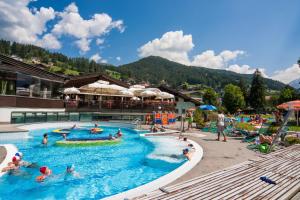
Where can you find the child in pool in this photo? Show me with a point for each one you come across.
(71, 171)
(45, 173)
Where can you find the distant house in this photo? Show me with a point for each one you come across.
(183, 102)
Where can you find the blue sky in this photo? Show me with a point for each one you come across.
(253, 33)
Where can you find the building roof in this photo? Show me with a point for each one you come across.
(78, 81)
(179, 94)
(9, 64)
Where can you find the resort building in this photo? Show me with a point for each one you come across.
(28, 89)
(30, 93)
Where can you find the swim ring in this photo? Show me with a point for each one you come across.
(62, 131)
(96, 130)
(88, 142)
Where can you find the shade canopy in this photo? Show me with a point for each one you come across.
(126, 93)
(207, 107)
(148, 93)
(71, 90)
(166, 95)
(291, 105)
(102, 87)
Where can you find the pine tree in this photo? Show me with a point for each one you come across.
(257, 92)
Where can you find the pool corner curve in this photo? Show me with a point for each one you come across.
(164, 180)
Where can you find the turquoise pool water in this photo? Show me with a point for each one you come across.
(104, 170)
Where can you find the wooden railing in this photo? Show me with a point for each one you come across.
(30, 102)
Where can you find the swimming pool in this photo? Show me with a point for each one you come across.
(104, 170)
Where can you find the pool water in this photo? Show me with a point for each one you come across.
(104, 170)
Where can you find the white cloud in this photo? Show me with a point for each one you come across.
(287, 75)
(97, 58)
(99, 41)
(216, 61)
(72, 24)
(118, 58)
(83, 44)
(173, 45)
(19, 23)
(246, 69)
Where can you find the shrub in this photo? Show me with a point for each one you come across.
(245, 126)
(294, 128)
(199, 119)
(292, 140)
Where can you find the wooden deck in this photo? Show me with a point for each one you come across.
(242, 181)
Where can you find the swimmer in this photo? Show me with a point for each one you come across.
(110, 137)
(14, 165)
(118, 134)
(74, 126)
(71, 171)
(25, 163)
(187, 154)
(64, 136)
(45, 139)
(45, 173)
(96, 125)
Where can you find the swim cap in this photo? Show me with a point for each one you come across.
(43, 170)
(20, 154)
(15, 158)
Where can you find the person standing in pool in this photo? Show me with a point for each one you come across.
(14, 165)
(45, 139)
(25, 163)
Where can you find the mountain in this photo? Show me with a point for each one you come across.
(154, 69)
(295, 83)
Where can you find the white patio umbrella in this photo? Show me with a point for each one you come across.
(126, 93)
(71, 90)
(165, 95)
(148, 93)
(137, 86)
(103, 82)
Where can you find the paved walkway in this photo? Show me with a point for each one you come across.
(9, 128)
(242, 181)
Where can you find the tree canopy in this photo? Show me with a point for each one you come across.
(210, 97)
(233, 98)
(257, 92)
(287, 94)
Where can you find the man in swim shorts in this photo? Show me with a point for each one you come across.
(221, 125)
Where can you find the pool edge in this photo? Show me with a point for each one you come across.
(164, 180)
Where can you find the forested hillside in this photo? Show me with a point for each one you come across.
(155, 69)
(151, 69)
